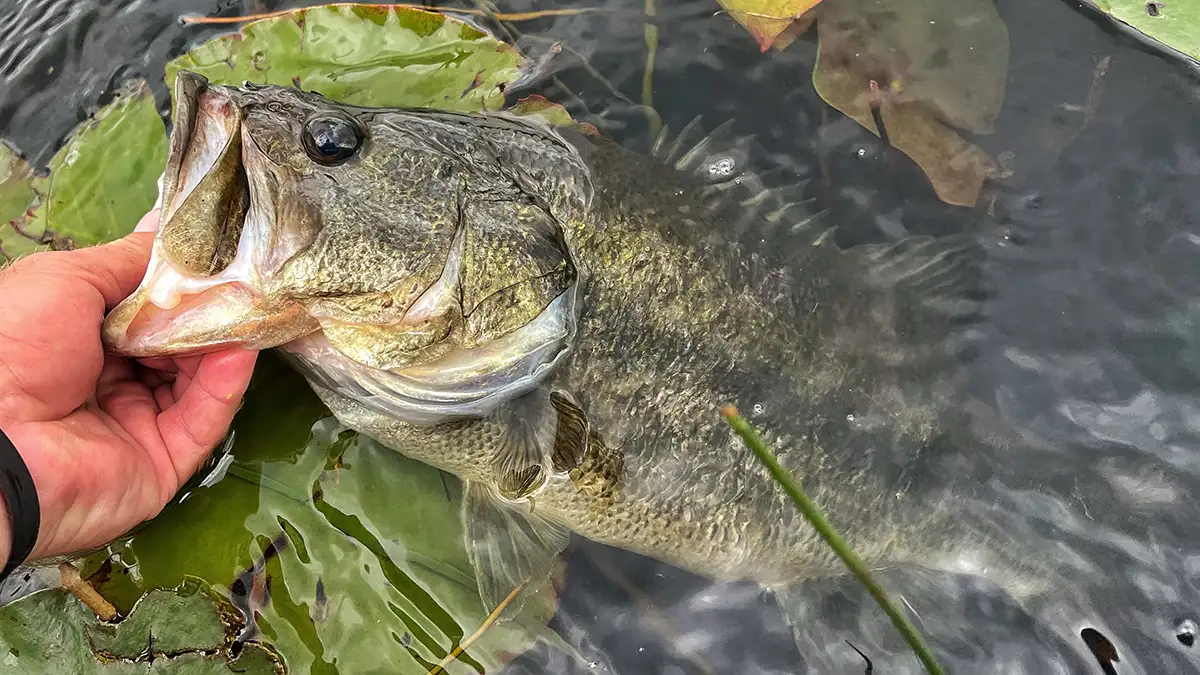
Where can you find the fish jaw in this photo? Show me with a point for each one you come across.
(202, 290)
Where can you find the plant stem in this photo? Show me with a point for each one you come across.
(831, 536)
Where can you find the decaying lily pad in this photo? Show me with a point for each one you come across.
(931, 67)
(17, 194)
(51, 633)
(767, 20)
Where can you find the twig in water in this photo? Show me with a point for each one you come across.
(870, 666)
(831, 537)
(877, 112)
(515, 16)
(470, 639)
(89, 596)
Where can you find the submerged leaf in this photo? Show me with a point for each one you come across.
(767, 19)
(374, 569)
(50, 633)
(930, 67)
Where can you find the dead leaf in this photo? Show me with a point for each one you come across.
(767, 19)
(799, 27)
(940, 65)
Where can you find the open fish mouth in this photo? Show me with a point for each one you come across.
(482, 307)
(202, 289)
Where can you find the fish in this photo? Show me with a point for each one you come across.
(556, 320)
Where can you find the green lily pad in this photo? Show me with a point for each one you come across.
(345, 555)
(51, 633)
(365, 55)
(1172, 25)
(101, 182)
(372, 568)
(17, 194)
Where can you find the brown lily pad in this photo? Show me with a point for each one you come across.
(930, 67)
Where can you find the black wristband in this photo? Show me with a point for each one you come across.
(20, 495)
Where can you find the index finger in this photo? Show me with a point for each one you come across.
(204, 410)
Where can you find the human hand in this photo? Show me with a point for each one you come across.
(107, 440)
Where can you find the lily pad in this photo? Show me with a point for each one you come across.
(1171, 25)
(365, 55)
(17, 194)
(931, 68)
(342, 554)
(767, 20)
(50, 633)
(100, 183)
(368, 565)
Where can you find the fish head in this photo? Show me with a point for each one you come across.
(391, 243)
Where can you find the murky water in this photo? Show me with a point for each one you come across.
(1092, 350)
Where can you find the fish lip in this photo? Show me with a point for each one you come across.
(141, 325)
(189, 87)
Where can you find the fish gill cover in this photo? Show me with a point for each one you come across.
(315, 545)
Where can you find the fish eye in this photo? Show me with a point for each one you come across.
(330, 139)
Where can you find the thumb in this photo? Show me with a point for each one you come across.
(114, 269)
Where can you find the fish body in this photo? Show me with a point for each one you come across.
(556, 321)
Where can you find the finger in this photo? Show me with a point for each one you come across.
(202, 413)
(164, 396)
(162, 364)
(126, 399)
(114, 269)
(149, 222)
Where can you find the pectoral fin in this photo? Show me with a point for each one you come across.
(544, 433)
(509, 545)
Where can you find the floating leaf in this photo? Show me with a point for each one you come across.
(17, 194)
(344, 551)
(344, 555)
(373, 568)
(51, 633)
(365, 55)
(1172, 25)
(105, 178)
(767, 19)
(930, 67)
(101, 182)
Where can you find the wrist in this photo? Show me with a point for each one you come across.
(5, 535)
(20, 509)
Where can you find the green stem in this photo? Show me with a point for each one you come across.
(831, 536)
(650, 32)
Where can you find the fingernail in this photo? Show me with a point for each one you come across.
(149, 222)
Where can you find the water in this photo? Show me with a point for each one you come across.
(1091, 353)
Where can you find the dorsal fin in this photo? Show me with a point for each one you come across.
(761, 194)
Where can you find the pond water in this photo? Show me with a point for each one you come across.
(1091, 350)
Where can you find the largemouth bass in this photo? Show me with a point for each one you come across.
(556, 321)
